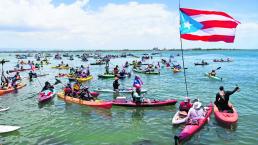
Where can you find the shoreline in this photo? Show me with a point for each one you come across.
(122, 50)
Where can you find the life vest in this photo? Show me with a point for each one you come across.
(76, 87)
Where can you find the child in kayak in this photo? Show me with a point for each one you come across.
(76, 88)
(222, 98)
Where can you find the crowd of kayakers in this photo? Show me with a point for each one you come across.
(189, 110)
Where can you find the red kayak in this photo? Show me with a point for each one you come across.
(225, 117)
(190, 130)
(45, 96)
(152, 103)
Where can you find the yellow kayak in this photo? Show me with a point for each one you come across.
(84, 79)
(61, 67)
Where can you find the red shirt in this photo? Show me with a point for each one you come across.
(185, 106)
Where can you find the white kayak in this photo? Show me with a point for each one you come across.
(178, 119)
(4, 109)
(128, 90)
(7, 128)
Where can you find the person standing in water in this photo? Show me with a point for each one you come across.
(116, 84)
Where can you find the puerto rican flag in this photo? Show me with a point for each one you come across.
(209, 26)
(137, 81)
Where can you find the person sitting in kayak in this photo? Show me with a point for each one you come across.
(48, 86)
(76, 88)
(68, 90)
(85, 94)
(122, 73)
(116, 84)
(195, 113)
(136, 94)
(16, 78)
(212, 73)
(222, 98)
(4, 82)
(116, 70)
(32, 75)
(185, 106)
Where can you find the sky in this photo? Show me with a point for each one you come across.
(114, 24)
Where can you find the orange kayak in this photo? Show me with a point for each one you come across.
(224, 117)
(9, 90)
(97, 103)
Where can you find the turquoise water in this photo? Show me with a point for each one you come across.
(64, 123)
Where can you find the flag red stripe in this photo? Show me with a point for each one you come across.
(211, 38)
(218, 24)
(191, 12)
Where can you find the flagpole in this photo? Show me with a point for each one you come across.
(181, 46)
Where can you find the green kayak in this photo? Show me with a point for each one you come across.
(144, 72)
(213, 77)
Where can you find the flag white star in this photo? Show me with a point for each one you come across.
(187, 25)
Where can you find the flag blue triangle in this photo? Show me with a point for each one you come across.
(188, 25)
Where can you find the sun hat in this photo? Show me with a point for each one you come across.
(197, 105)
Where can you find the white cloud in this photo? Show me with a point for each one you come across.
(38, 23)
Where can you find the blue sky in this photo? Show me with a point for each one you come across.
(114, 24)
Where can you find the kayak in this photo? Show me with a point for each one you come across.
(178, 118)
(213, 77)
(201, 63)
(128, 90)
(7, 128)
(19, 70)
(20, 85)
(61, 67)
(190, 129)
(144, 72)
(84, 79)
(98, 63)
(4, 109)
(152, 103)
(224, 117)
(97, 103)
(176, 70)
(45, 96)
(222, 60)
(105, 76)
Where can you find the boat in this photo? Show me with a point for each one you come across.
(128, 90)
(9, 90)
(4, 109)
(8, 128)
(144, 72)
(222, 60)
(98, 63)
(151, 103)
(19, 70)
(179, 118)
(96, 103)
(84, 79)
(213, 77)
(61, 67)
(190, 129)
(45, 96)
(205, 63)
(225, 117)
